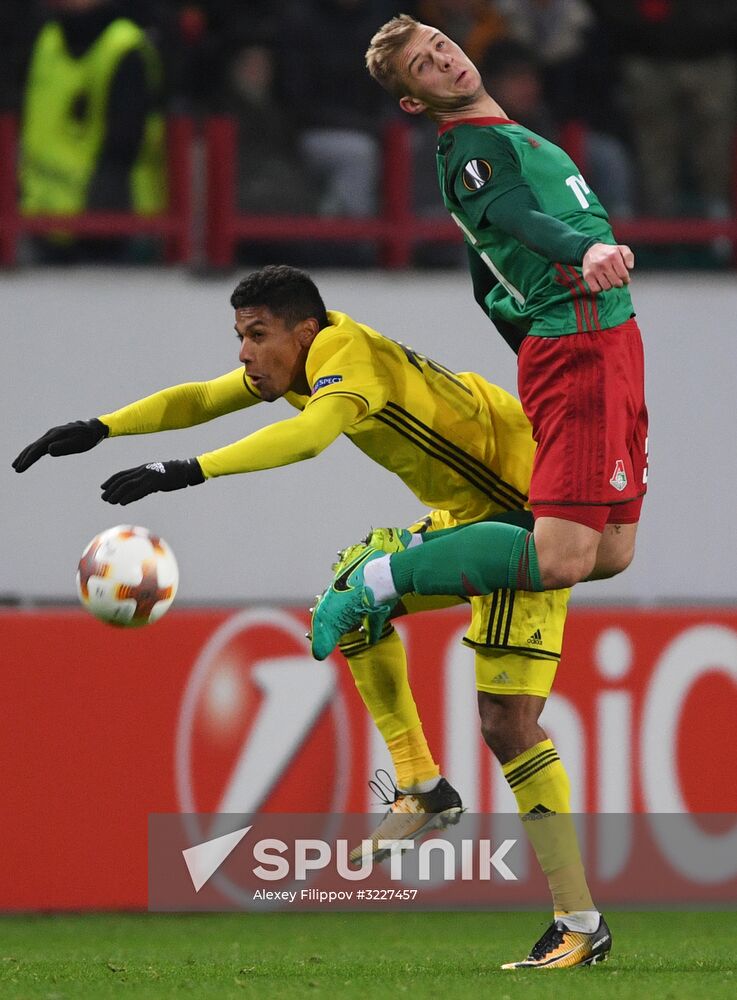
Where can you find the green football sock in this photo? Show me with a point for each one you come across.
(520, 518)
(475, 559)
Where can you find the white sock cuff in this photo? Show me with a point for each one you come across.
(582, 921)
(378, 577)
(421, 787)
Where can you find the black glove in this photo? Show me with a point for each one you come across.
(156, 477)
(81, 435)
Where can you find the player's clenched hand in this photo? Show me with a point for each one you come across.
(606, 266)
(156, 477)
(68, 439)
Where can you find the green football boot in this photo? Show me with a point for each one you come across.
(348, 602)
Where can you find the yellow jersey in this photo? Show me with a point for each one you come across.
(458, 442)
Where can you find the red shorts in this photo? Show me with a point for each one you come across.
(584, 396)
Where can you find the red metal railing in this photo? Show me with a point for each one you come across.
(657, 232)
(175, 225)
(396, 230)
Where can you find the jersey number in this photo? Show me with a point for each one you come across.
(418, 360)
(580, 188)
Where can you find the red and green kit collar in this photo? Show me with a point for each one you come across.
(446, 126)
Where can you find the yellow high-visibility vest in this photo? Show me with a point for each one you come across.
(64, 118)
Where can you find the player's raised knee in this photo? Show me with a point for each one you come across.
(615, 562)
(557, 574)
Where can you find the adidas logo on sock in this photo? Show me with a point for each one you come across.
(538, 812)
(536, 638)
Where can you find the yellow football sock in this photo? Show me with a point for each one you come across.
(413, 762)
(540, 785)
(380, 675)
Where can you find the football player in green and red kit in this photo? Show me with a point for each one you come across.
(550, 275)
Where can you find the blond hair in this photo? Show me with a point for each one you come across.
(381, 54)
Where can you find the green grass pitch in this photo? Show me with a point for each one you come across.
(678, 956)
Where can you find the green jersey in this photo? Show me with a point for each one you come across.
(528, 217)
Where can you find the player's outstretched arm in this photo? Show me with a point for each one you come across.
(606, 266)
(182, 405)
(288, 441)
(169, 409)
(67, 439)
(282, 443)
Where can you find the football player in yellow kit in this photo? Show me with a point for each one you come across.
(464, 448)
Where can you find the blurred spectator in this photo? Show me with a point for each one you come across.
(556, 29)
(338, 107)
(92, 135)
(512, 75)
(272, 178)
(679, 72)
(175, 28)
(207, 33)
(571, 53)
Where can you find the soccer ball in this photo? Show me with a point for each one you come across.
(127, 576)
